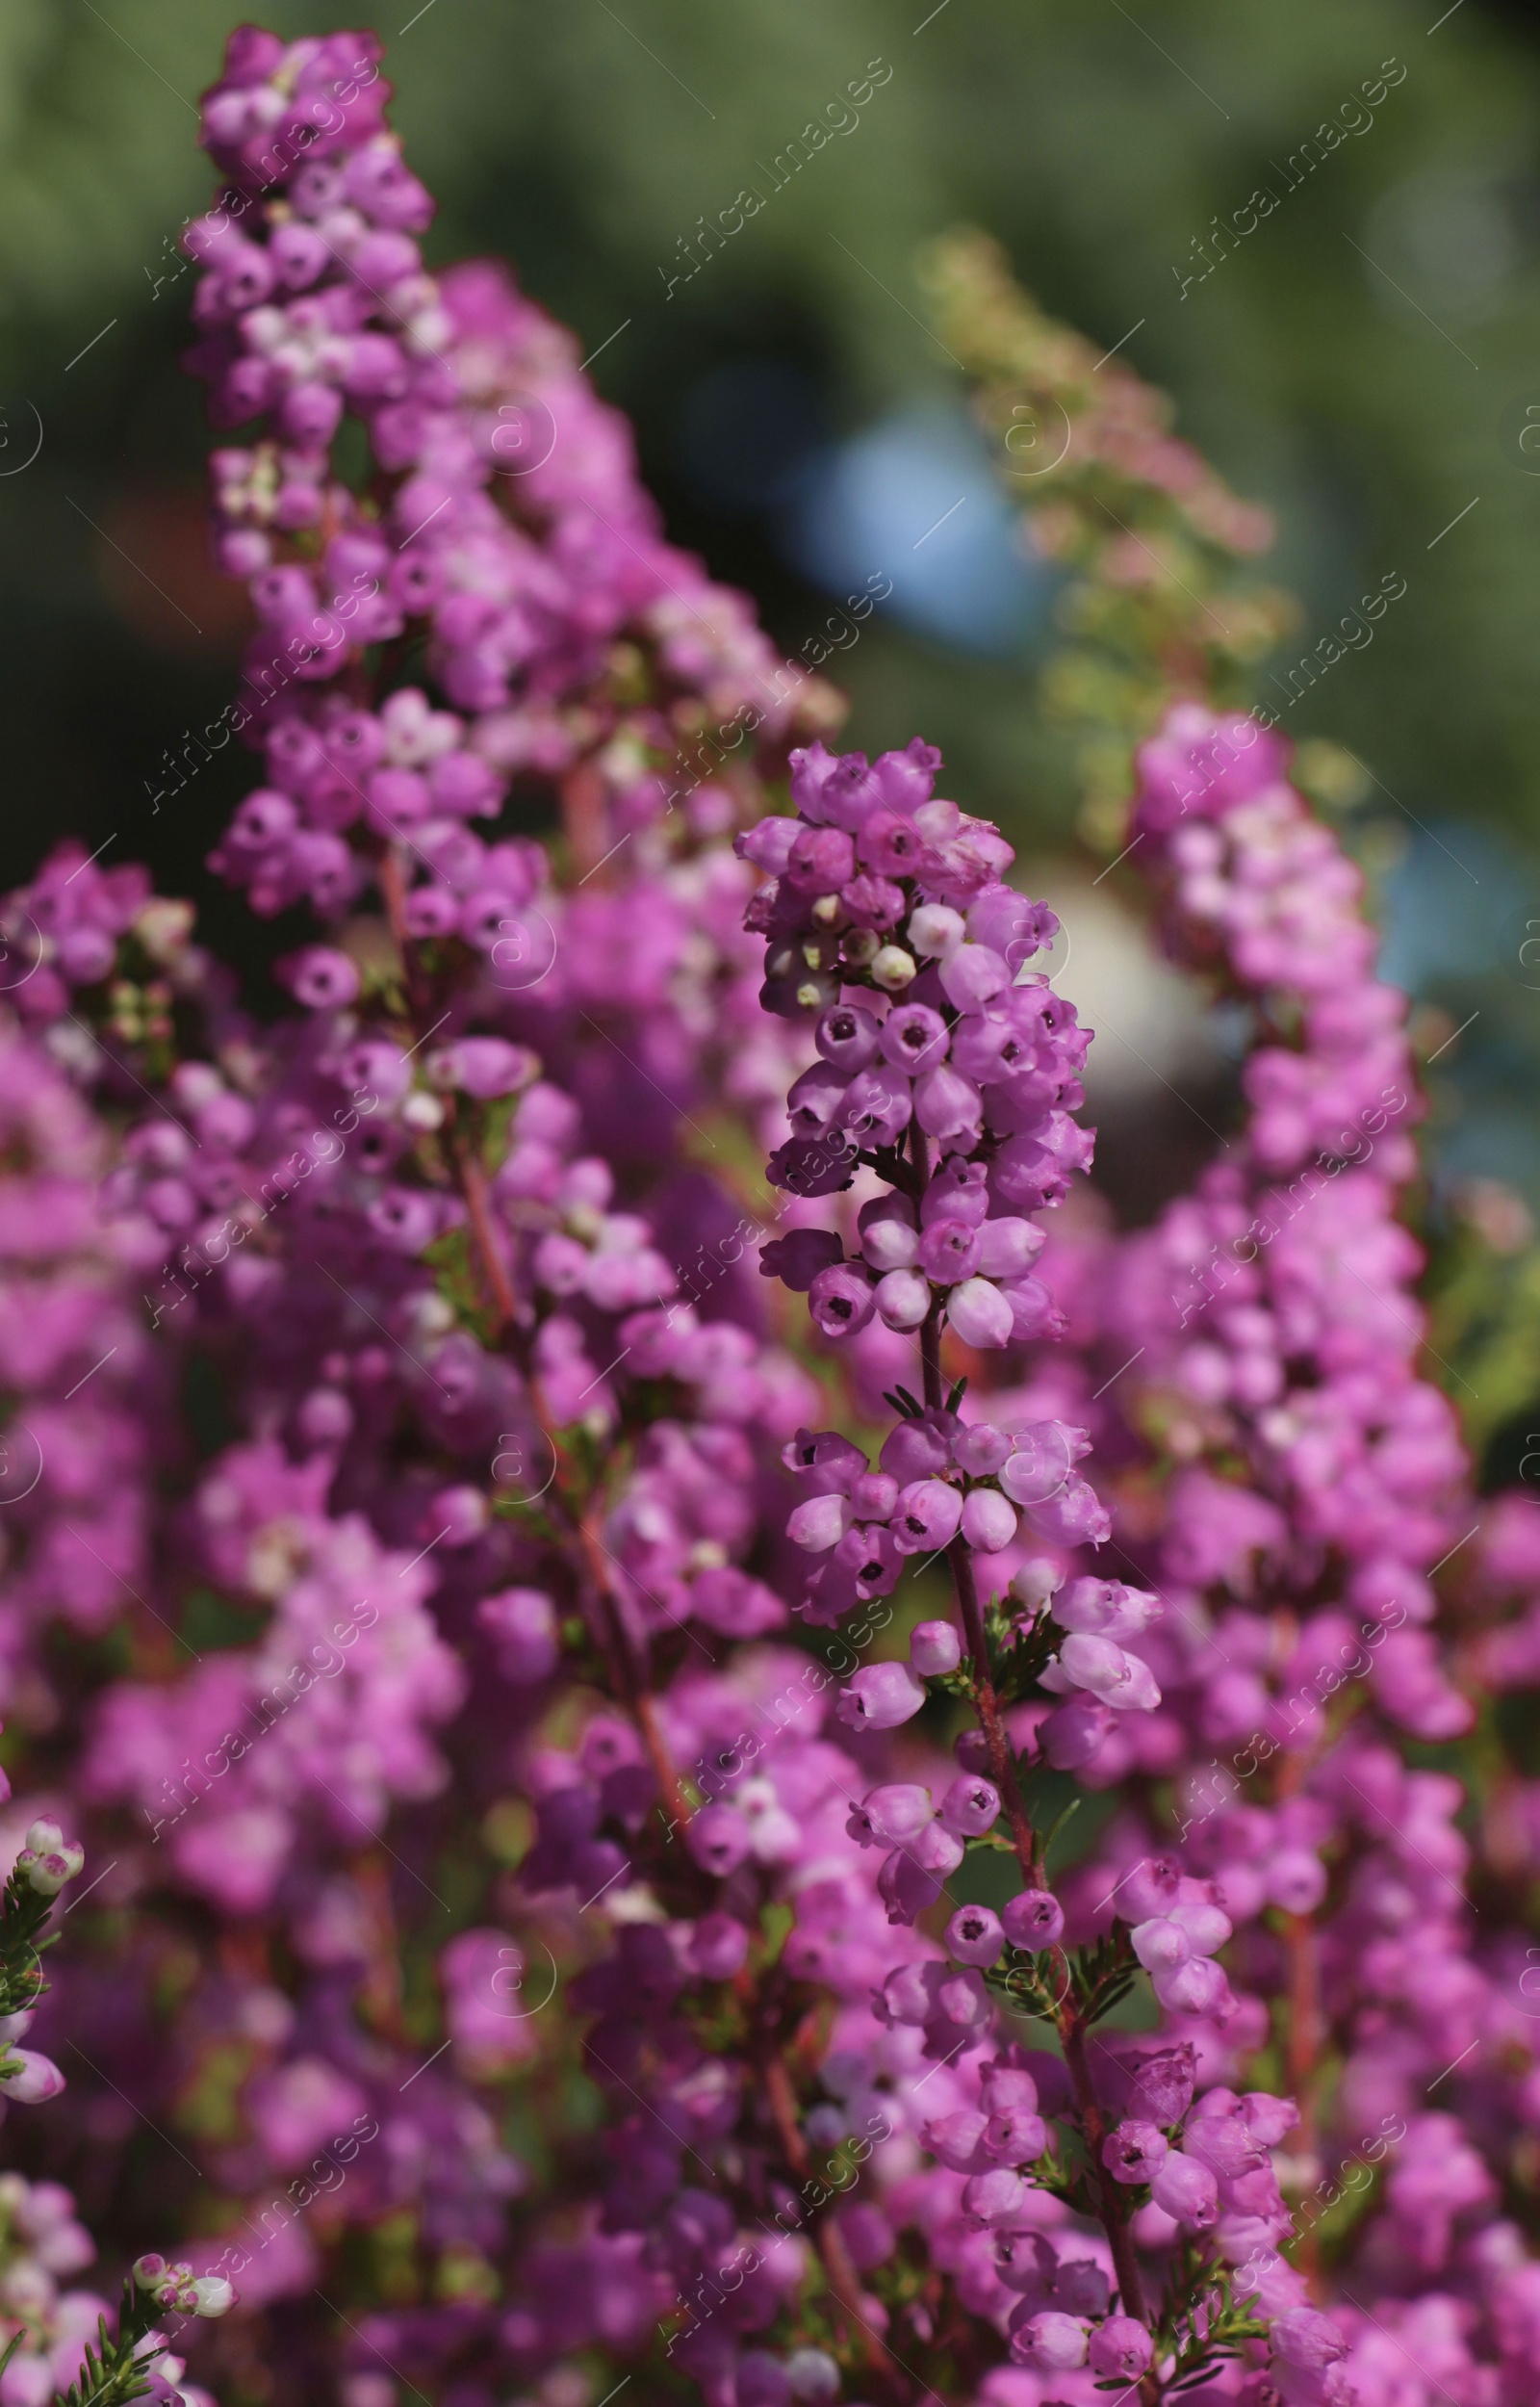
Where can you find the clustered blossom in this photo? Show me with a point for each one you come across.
(494, 1674)
(939, 1478)
(878, 886)
(1317, 1484)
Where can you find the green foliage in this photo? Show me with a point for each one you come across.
(112, 2372)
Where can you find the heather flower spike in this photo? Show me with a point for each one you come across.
(546, 1593)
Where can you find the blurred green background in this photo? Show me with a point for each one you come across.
(1362, 363)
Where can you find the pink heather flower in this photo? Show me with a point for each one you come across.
(820, 1522)
(719, 1838)
(1134, 2152)
(1159, 1944)
(989, 1521)
(29, 2079)
(936, 1848)
(1307, 2339)
(971, 1804)
(1008, 1247)
(903, 1299)
(936, 930)
(915, 1039)
(1075, 1733)
(975, 1936)
(926, 1517)
(888, 1239)
(1197, 1986)
(1106, 1609)
(897, 1812)
(719, 1947)
(523, 1628)
(1186, 2190)
(947, 1106)
(567, 648)
(1150, 1889)
(880, 1696)
(842, 1301)
(798, 1257)
(847, 1037)
(320, 977)
(1123, 1681)
(981, 1316)
(971, 973)
(907, 1888)
(981, 1450)
(1207, 1925)
(949, 1252)
(1121, 2347)
(992, 2196)
(1050, 2341)
(934, 1647)
(1033, 1920)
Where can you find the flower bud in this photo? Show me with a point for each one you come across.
(46, 1874)
(820, 1522)
(1148, 1889)
(934, 1647)
(988, 1521)
(991, 2197)
(1186, 2190)
(898, 1811)
(903, 1299)
(981, 1449)
(936, 930)
(1197, 1988)
(1051, 2343)
(936, 1848)
(29, 2079)
(1307, 2339)
(215, 2295)
(1159, 1944)
(1035, 1581)
(888, 1239)
(812, 2375)
(893, 968)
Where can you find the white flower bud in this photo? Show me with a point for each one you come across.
(936, 929)
(894, 968)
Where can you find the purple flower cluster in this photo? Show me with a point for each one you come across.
(939, 1478)
(582, 1902)
(879, 887)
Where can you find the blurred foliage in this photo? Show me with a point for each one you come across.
(1484, 1296)
(1156, 601)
